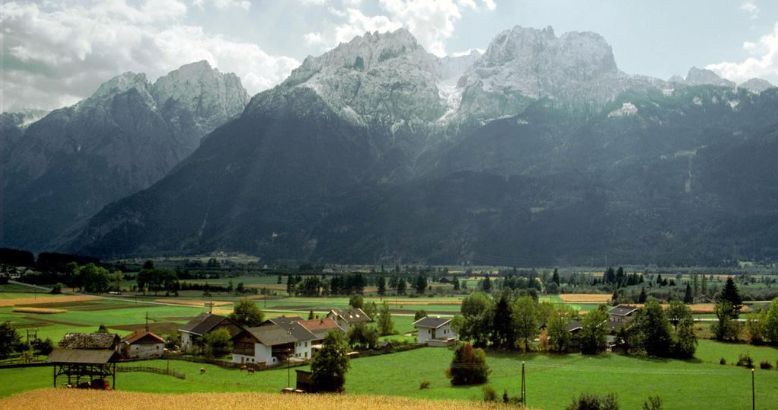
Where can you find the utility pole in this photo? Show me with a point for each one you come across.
(523, 386)
(753, 391)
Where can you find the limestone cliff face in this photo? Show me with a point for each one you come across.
(123, 138)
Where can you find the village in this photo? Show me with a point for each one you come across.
(88, 360)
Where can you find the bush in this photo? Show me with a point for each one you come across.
(653, 403)
(765, 365)
(56, 289)
(593, 402)
(217, 343)
(489, 393)
(419, 314)
(745, 360)
(424, 385)
(722, 361)
(45, 347)
(468, 366)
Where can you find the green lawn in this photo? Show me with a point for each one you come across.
(552, 381)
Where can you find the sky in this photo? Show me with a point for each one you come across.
(55, 53)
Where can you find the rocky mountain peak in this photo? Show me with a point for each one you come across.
(703, 76)
(756, 85)
(525, 64)
(211, 95)
(377, 78)
(122, 83)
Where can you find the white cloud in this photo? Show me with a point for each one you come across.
(56, 54)
(750, 7)
(763, 64)
(224, 4)
(431, 22)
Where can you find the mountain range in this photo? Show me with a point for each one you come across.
(63, 168)
(537, 151)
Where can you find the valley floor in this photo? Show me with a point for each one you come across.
(552, 380)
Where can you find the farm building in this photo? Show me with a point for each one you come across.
(435, 331)
(193, 331)
(86, 359)
(272, 344)
(345, 318)
(320, 328)
(92, 341)
(620, 316)
(142, 345)
(281, 320)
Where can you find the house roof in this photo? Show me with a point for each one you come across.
(352, 316)
(431, 322)
(83, 356)
(272, 335)
(141, 335)
(622, 310)
(89, 341)
(320, 327)
(281, 320)
(203, 324)
(573, 325)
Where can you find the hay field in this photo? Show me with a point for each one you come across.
(585, 298)
(43, 299)
(99, 400)
(37, 310)
(192, 302)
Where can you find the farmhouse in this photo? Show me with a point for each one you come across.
(345, 318)
(193, 331)
(86, 359)
(320, 328)
(435, 331)
(272, 344)
(620, 316)
(142, 345)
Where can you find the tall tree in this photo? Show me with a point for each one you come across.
(655, 329)
(771, 323)
(559, 336)
(525, 320)
(594, 331)
(688, 297)
(731, 295)
(555, 277)
(9, 339)
(503, 334)
(486, 285)
(401, 286)
(420, 284)
(247, 313)
(330, 364)
(381, 285)
(385, 323)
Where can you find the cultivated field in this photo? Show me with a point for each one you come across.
(552, 380)
(99, 400)
(585, 298)
(26, 299)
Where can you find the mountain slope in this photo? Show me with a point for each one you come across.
(543, 152)
(123, 138)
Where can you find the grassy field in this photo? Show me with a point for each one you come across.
(552, 380)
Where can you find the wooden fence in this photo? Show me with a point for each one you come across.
(156, 370)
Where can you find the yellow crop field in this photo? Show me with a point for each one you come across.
(45, 299)
(42, 311)
(99, 400)
(585, 298)
(193, 302)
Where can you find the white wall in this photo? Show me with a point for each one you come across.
(302, 350)
(145, 351)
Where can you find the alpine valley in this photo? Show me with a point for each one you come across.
(537, 151)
